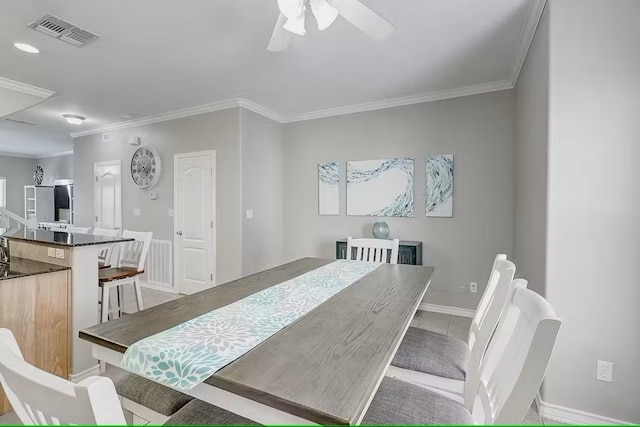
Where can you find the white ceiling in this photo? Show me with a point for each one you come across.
(158, 56)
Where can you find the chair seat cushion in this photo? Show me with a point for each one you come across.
(150, 394)
(399, 402)
(199, 412)
(432, 353)
(116, 273)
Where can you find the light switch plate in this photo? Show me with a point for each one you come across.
(51, 252)
(136, 211)
(249, 214)
(170, 212)
(60, 253)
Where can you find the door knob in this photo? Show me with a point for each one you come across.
(179, 233)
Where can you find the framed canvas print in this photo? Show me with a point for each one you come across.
(328, 189)
(380, 187)
(439, 186)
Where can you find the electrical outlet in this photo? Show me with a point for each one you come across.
(604, 371)
(51, 252)
(60, 253)
(473, 287)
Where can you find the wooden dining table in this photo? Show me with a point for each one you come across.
(324, 368)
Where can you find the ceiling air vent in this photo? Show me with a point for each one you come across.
(62, 29)
(20, 122)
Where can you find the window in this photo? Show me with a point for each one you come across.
(3, 192)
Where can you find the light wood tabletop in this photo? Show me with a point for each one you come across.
(326, 366)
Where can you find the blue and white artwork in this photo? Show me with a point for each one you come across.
(439, 194)
(328, 189)
(380, 187)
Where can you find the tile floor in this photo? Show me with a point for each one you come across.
(443, 323)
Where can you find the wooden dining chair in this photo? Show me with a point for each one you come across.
(510, 376)
(133, 255)
(435, 360)
(374, 250)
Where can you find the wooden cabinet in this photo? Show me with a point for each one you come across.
(410, 252)
(36, 309)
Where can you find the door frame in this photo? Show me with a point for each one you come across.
(96, 165)
(214, 229)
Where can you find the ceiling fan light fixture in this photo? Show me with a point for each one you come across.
(296, 25)
(291, 8)
(325, 13)
(74, 119)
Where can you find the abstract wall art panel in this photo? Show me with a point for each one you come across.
(328, 189)
(439, 188)
(380, 187)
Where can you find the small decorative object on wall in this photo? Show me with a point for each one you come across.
(145, 167)
(380, 230)
(439, 188)
(38, 175)
(380, 187)
(328, 189)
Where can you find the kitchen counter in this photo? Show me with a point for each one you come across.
(60, 238)
(21, 267)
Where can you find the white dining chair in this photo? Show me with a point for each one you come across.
(374, 250)
(433, 360)
(106, 254)
(511, 373)
(133, 255)
(41, 398)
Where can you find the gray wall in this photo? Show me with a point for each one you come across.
(532, 118)
(218, 131)
(593, 233)
(59, 167)
(478, 130)
(19, 172)
(261, 192)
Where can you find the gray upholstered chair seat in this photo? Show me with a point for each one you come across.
(150, 394)
(432, 353)
(199, 412)
(399, 402)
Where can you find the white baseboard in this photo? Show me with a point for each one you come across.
(566, 415)
(91, 372)
(158, 288)
(445, 309)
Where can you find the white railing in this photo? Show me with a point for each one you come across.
(6, 215)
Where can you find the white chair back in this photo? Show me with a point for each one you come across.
(375, 250)
(41, 398)
(134, 254)
(517, 358)
(107, 253)
(486, 318)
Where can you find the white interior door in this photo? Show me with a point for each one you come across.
(194, 221)
(107, 195)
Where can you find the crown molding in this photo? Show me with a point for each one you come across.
(47, 156)
(25, 88)
(172, 115)
(399, 102)
(536, 8)
(259, 109)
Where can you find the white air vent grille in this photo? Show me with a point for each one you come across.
(62, 29)
(20, 122)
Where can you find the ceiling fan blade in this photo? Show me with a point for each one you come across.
(281, 38)
(365, 19)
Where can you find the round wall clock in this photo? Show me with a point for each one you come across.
(38, 175)
(145, 167)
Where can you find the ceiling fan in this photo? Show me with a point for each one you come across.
(293, 15)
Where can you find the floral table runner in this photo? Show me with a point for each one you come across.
(189, 353)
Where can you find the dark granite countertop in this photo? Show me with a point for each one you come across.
(61, 238)
(21, 267)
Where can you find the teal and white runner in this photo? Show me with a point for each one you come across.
(187, 354)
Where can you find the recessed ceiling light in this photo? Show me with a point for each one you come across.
(26, 48)
(74, 119)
